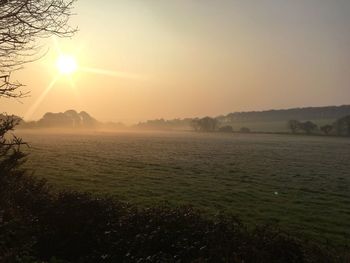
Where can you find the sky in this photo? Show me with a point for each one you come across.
(149, 59)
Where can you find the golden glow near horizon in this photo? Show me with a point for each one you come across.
(66, 64)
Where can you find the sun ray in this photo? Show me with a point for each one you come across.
(118, 74)
(76, 93)
(36, 104)
(71, 82)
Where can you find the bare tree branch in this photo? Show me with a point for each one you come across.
(22, 22)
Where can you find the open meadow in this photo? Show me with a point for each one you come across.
(300, 182)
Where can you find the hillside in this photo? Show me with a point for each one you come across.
(309, 113)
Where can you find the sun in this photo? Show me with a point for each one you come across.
(66, 64)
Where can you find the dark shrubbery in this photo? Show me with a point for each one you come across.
(37, 225)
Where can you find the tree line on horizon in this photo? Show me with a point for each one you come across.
(208, 124)
(340, 127)
(246, 118)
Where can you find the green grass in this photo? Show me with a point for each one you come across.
(300, 182)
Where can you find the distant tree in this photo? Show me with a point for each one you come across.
(308, 127)
(205, 124)
(294, 125)
(326, 129)
(195, 124)
(342, 126)
(208, 124)
(227, 128)
(244, 130)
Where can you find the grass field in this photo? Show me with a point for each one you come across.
(300, 182)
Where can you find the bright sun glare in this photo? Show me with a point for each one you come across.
(66, 64)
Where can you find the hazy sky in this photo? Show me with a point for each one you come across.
(186, 58)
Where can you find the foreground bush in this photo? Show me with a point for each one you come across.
(37, 225)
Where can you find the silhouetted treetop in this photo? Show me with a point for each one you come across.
(205, 124)
(67, 119)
